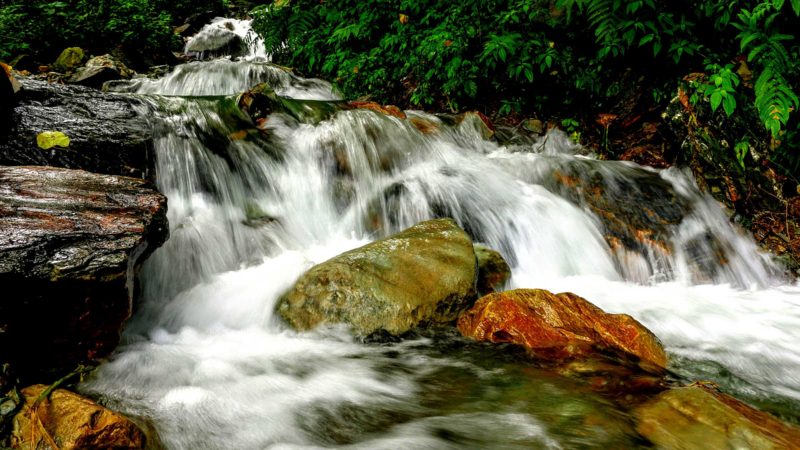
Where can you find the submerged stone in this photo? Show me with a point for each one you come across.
(700, 417)
(424, 275)
(261, 101)
(72, 423)
(388, 110)
(71, 243)
(560, 326)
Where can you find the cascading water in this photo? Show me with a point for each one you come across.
(206, 364)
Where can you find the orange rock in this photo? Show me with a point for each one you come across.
(487, 128)
(238, 135)
(71, 422)
(389, 110)
(424, 126)
(559, 326)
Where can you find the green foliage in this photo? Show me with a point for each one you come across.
(741, 149)
(43, 28)
(572, 127)
(720, 88)
(517, 56)
(760, 35)
(427, 53)
(766, 35)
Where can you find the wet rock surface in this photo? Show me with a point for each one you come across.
(70, 245)
(493, 270)
(107, 134)
(423, 275)
(388, 110)
(9, 87)
(559, 327)
(700, 417)
(71, 422)
(99, 70)
(261, 100)
(638, 211)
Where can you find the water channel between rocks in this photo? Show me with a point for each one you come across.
(207, 365)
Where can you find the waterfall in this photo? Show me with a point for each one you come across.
(209, 366)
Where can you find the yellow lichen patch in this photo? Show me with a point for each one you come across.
(49, 139)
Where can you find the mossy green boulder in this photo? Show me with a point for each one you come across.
(424, 275)
(69, 59)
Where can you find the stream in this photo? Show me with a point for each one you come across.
(206, 364)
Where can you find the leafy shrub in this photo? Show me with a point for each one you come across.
(558, 56)
(426, 53)
(42, 27)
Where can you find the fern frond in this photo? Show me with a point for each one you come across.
(775, 99)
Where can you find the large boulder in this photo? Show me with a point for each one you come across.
(700, 417)
(493, 270)
(72, 423)
(423, 275)
(560, 327)
(107, 132)
(71, 243)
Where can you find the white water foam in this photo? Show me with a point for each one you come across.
(210, 367)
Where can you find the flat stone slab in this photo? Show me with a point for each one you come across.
(108, 133)
(70, 245)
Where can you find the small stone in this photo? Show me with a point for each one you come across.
(493, 270)
(533, 125)
(71, 58)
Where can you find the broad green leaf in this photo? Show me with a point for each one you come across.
(729, 105)
(49, 139)
(716, 99)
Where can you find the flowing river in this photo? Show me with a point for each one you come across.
(206, 364)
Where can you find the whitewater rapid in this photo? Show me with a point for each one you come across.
(207, 365)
